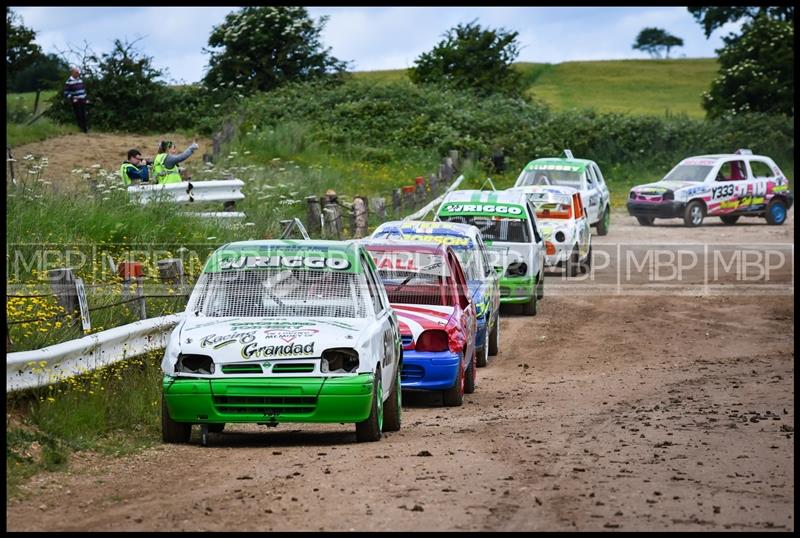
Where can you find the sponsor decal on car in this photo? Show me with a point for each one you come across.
(289, 262)
(488, 210)
(252, 350)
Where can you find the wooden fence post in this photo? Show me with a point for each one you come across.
(419, 191)
(333, 215)
(397, 202)
(433, 183)
(454, 161)
(360, 216)
(62, 282)
(313, 224)
(11, 165)
(140, 294)
(378, 206)
(408, 196)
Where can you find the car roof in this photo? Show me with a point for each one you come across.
(577, 165)
(720, 156)
(372, 243)
(556, 189)
(436, 226)
(503, 197)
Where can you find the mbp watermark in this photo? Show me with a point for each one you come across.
(681, 268)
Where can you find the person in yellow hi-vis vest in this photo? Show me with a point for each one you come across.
(165, 165)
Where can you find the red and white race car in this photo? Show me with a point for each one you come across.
(428, 291)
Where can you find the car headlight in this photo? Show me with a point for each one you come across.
(632, 195)
(517, 269)
(559, 236)
(194, 364)
(339, 361)
(669, 195)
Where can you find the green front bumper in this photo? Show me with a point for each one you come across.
(286, 399)
(517, 290)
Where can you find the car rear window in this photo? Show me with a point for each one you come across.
(496, 228)
(413, 277)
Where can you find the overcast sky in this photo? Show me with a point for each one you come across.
(374, 38)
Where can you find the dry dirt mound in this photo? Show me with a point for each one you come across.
(70, 152)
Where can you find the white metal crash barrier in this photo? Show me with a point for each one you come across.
(223, 215)
(419, 215)
(185, 192)
(42, 367)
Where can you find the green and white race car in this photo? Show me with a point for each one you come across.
(581, 174)
(507, 222)
(284, 331)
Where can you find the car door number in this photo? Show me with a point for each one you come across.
(722, 191)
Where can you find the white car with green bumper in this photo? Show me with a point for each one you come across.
(284, 331)
(581, 174)
(508, 225)
(565, 226)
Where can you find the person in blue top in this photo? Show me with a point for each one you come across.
(134, 170)
(75, 91)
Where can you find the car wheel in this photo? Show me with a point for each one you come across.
(694, 214)
(602, 225)
(494, 338)
(469, 377)
(729, 219)
(529, 308)
(586, 266)
(393, 408)
(646, 221)
(454, 396)
(482, 355)
(776, 212)
(216, 428)
(171, 431)
(370, 429)
(574, 262)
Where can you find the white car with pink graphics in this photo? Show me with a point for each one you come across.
(727, 186)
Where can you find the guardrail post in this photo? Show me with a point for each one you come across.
(360, 216)
(62, 282)
(10, 162)
(140, 293)
(314, 220)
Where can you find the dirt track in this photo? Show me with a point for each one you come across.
(609, 410)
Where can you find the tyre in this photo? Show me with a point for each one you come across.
(694, 213)
(776, 212)
(216, 428)
(171, 431)
(394, 405)
(454, 396)
(602, 225)
(574, 262)
(370, 429)
(529, 308)
(494, 338)
(469, 377)
(482, 355)
(729, 219)
(540, 285)
(646, 221)
(586, 266)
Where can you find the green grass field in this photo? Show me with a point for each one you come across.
(648, 87)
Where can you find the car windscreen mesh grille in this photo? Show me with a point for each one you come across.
(280, 293)
(415, 288)
(512, 230)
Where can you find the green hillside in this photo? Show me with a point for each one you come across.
(651, 87)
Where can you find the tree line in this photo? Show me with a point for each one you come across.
(257, 49)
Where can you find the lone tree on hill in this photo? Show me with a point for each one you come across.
(652, 40)
(470, 57)
(259, 48)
